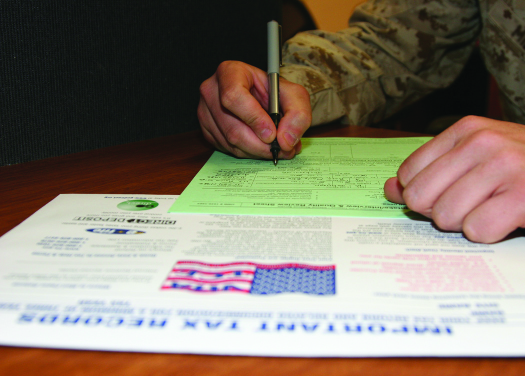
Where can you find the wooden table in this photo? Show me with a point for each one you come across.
(166, 166)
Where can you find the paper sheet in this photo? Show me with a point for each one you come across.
(331, 177)
(109, 272)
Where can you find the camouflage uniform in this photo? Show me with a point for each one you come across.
(396, 51)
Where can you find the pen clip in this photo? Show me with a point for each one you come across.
(280, 46)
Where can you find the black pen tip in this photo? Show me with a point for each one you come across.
(275, 148)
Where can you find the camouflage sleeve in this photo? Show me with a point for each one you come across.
(393, 53)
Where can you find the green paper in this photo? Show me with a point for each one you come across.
(331, 177)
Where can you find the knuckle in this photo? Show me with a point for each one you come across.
(201, 114)
(230, 96)
(305, 117)
(444, 221)
(299, 89)
(301, 119)
(404, 173)
(208, 137)
(479, 230)
(252, 121)
(472, 233)
(410, 199)
(204, 88)
(413, 201)
(485, 138)
(236, 152)
(469, 123)
(225, 66)
(239, 153)
(518, 192)
(511, 160)
(233, 136)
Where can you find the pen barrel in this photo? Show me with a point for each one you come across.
(273, 93)
(274, 47)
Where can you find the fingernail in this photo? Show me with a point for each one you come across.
(291, 138)
(265, 134)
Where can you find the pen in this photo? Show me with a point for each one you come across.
(274, 62)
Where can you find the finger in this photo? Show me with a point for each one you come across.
(423, 190)
(243, 92)
(423, 156)
(394, 191)
(496, 217)
(504, 211)
(207, 124)
(295, 105)
(213, 134)
(283, 154)
(232, 135)
(438, 146)
(465, 195)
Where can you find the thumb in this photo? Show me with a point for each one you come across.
(297, 114)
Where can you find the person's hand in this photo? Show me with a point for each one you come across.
(233, 118)
(470, 178)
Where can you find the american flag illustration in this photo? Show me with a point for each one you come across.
(251, 278)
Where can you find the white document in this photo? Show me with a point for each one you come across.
(107, 272)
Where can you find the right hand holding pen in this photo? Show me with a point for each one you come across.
(233, 118)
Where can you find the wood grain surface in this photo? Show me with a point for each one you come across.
(166, 166)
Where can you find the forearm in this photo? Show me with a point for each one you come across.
(387, 58)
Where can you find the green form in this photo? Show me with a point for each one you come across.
(331, 177)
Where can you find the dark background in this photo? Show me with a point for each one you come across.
(84, 74)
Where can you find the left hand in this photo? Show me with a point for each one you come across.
(469, 178)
